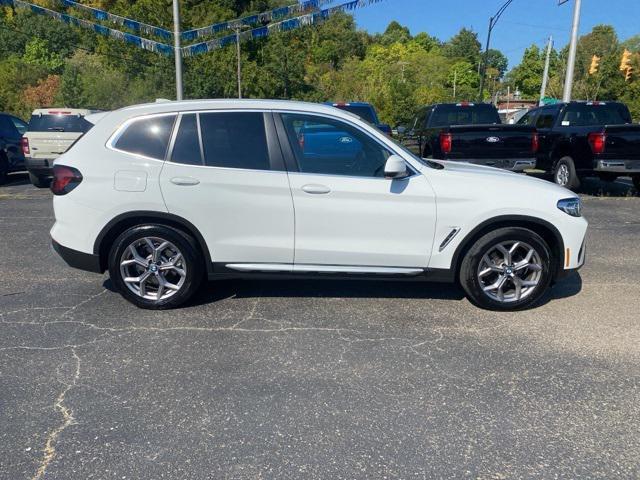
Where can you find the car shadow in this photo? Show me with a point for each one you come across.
(214, 291)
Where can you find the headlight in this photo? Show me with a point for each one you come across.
(572, 206)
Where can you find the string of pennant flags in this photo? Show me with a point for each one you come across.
(316, 15)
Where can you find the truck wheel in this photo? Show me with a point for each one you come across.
(38, 181)
(564, 174)
(636, 182)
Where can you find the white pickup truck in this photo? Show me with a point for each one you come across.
(51, 132)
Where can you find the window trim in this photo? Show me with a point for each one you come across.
(113, 139)
(291, 161)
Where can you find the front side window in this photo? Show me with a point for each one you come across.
(234, 140)
(332, 147)
(527, 119)
(20, 125)
(147, 136)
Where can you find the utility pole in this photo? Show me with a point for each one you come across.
(545, 75)
(571, 61)
(177, 51)
(492, 23)
(239, 61)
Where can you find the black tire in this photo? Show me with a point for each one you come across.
(636, 182)
(38, 181)
(564, 174)
(470, 277)
(4, 169)
(192, 265)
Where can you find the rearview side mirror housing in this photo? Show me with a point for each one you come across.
(395, 167)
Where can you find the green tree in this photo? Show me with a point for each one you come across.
(464, 45)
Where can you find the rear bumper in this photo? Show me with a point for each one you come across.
(80, 260)
(39, 166)
(618, 166)
(512, 164)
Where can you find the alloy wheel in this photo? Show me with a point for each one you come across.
(153, 268)
(562, 175)
(510, 271)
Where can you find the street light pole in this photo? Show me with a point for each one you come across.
(177, 52)
(239, 61)
(545, 74)
(571, 61)
(492, 23)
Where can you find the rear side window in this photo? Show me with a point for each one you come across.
(446, 115)
(234, 140)
(527, 119)
(186, 149)
(582, 115)
(545, 119)
(147, 136)
(59, 123)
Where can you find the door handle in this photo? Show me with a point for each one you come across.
(185, 181)
(315, 189)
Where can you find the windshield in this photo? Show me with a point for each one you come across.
(363, 111)
(446, 115)
(58, 123)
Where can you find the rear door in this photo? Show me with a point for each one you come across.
(225, 175)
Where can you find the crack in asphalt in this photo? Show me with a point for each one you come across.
(49, 451)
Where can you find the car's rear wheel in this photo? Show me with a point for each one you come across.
(565, 175)
(155, 267)
(39, 181)
(507, 269)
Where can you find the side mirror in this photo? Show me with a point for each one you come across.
(395, 167)
(401, 130)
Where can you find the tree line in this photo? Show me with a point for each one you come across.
(46, 63)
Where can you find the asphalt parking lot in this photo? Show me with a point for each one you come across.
(314, 379)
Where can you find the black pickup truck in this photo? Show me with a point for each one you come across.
(582, 139)
(471, 133)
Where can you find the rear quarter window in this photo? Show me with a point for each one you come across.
(147, 136)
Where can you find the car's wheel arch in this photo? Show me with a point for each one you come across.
(545, 229)
(122, 222)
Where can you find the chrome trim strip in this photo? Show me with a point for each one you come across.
(283, 267)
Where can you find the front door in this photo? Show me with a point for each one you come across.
(223, 177)
(346, 212)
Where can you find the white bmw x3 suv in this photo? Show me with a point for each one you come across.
(165, 195)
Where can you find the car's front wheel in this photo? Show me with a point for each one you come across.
(155, 266)
(507, 269)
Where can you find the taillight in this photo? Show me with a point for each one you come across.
(446, 140)
(24, 144)
(65, 179)
(597, 141)
(535, 142)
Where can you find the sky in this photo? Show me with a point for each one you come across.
(523, 23)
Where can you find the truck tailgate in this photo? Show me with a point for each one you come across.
(623, 143)
(491, 142)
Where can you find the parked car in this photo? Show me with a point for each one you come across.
(51, 132)
(364, 110)
(472, 133)
(582, 139)
(164, 195)
(11, 158)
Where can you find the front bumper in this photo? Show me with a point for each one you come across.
(512, 164)
(42, 167)
(618, 166)
(83, 261)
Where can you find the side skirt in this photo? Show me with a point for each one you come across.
(223, 271)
